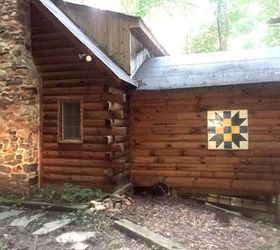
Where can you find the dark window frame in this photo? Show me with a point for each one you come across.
(60, 126)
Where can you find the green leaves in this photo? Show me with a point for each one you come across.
(140, 8)
(68, 194)
(206, 41)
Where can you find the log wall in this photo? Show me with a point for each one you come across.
(101, 159)
(170, 140)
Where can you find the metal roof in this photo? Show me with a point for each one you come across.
(71, 26)
(210, 69)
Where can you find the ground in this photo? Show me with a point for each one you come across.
(192, 224)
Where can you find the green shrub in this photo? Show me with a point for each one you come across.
(69, 193)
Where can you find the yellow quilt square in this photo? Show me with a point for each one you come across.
(219, 130)
(227, 137)
(235, 129)
(227, 122)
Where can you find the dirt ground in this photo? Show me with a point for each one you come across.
(107, 237)
(201, 227)
(192, 224)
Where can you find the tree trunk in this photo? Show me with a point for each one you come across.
(222, 24)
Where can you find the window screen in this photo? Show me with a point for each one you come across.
(71, 120)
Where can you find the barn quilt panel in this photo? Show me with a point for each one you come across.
(227, 129)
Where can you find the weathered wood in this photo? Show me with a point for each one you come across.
(223, 209)
(103, 96)
(169, 133)
(148, 236)
(112, 32)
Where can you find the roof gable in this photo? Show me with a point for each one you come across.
(115, 33)
(83, 39)
(135, 22)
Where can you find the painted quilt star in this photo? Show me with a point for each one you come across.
(228, 129)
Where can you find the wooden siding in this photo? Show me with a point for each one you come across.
(139, 53)
(170, 140)
(111, 31)
(101, 160)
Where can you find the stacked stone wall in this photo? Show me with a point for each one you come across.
(19, 100)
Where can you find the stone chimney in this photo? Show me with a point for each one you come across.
(19, 100)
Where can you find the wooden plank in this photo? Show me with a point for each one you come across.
(223, 209)
(147, 236)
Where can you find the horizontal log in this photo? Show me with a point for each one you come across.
(95, 180)
(250, 186)
(94, 123)
(49, 122)
(167, 131)
(73, 170)
(105, 114)
(87, 139)
(77, 155)
(234, 92)
(171, 145)
(268, 169)
(88, 98)
(95, 106)
(54, 52)
(272, 105)
(96, 139)
(90, 90)
(115, 131)
(75, 162)
(47, 36)
(50, 60)
(110, 123)
(203, 102)
(206, 174)
(121, 138)
(51, 44)
(74, 74)
(202, 153)
(170, 120)
(112, 147)
(209, 160)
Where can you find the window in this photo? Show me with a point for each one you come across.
(70, 121)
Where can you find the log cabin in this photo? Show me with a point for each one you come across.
(208, 123)
(90, 97)
(65, 104)
(85, 102)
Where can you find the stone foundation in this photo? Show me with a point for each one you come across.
(19, 100)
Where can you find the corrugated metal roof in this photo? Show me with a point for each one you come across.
(210, 69)
(71, 26)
